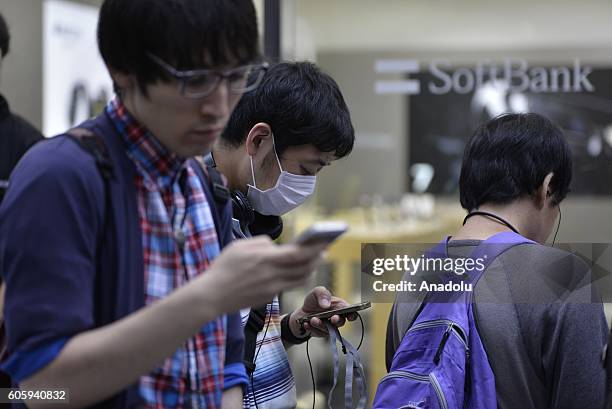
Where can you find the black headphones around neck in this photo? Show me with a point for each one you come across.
(255, 222)
(242, 208)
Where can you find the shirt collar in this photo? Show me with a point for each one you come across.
(161, 165)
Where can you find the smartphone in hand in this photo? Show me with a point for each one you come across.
(321, 233)
(338, 311)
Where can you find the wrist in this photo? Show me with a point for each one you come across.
(208, 298)
(291, 331)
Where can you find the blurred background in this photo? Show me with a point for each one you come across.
(418, 77)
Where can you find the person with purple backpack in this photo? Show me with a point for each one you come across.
(532, 332)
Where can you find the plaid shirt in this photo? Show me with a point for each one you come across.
(179, 242)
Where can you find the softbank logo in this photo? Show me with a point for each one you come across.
(515, 72)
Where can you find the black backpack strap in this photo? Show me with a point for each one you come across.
(96, 147)
(218, 188)
(217, 184)
(254, 325)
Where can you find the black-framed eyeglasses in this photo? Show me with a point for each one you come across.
(202, 83)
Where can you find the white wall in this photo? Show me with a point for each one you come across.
(21, 78)
(456, 24)
(21, 75)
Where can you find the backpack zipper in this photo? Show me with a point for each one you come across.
(431, 379)
(456, 329)
(405, 374)
(438, 389)
(442, 344)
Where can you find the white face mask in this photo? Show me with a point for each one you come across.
(289, 192)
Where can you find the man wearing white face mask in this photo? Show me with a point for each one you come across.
(277, 140)
(289, 192)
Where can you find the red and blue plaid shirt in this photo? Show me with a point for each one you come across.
(179, 242)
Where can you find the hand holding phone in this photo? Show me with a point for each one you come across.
(342, 312)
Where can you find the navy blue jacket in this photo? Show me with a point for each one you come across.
(51, 222)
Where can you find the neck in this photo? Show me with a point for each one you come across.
(229, 164)
(481, 227)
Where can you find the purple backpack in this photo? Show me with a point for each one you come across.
(441, 362)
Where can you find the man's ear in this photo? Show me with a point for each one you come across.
(260, 136)
(122, 80)
(544, 193)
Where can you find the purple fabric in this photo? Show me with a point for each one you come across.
(441, 362)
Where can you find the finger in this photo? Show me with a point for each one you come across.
(338, 302)
(302, 270)
(287, 272)
(256, 241)
(318, 327)
(316, 247)
(323, 297)
(291, 255)
(284, 283)
(351, 317)
(315, 331)
(338, 321)
(316, 322)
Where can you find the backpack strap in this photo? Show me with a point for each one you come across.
(96, 146)
(216, 180)
(90, 142)
(254, 325)
(487, 251)
(217, 186)
(493, 247)
(218, 189)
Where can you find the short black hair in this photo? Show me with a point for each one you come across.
(5, 37)
(188, 34)
(302, 105)
(509, 157)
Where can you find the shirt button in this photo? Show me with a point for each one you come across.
(180, 238)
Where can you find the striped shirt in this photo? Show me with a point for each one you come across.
(179, 242)
(273, 386)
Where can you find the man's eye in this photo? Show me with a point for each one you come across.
(237, 77)
(199, 81)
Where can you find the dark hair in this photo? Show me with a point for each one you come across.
(188, 34)
(5, 37)
(301, 104)
(510, 156)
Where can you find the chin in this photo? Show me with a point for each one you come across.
(194, 150)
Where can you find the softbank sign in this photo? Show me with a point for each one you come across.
(516, 73)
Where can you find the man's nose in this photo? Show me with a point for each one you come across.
(217, 104)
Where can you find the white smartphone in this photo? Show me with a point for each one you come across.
(321, 233)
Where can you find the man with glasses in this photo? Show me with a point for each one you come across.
(111, 235)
